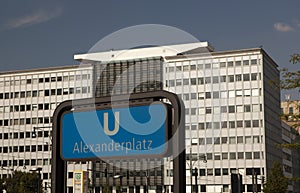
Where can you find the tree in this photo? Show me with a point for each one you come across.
(23, 182)
(276, 181)
(291, 81)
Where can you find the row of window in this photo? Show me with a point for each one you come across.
(22, 135)
(225, 188)
(44, 176)
(225, 124)
(224, 109)
(32, 107)
(219, 171)
(215, 65)
(46, 79)
(214, 79)
(221, 94)
(25, 121)
(27, 148)
(43, 93)
(227, 140)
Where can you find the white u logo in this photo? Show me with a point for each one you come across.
(117, 124)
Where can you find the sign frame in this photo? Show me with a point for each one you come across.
(59, 166)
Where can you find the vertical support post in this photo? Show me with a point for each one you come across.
(179, 179)
(196, 179)
(191, 170)
(58, 166)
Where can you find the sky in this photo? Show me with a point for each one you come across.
(37, 33)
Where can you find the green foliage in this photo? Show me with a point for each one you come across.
(291, 80)
(2, 185)
(276, 181)
(23, 182)
(106, 188)
(295, 58)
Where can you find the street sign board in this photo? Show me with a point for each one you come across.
(115, 132)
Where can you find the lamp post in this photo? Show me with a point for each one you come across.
(119, 176)
(191, 165)
(39, 178)
(34, 135)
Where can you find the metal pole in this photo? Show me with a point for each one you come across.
(39, 181)
(191, 170)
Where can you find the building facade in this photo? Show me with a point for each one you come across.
(232, 115)
(27, 101)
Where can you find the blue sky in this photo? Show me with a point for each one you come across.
(36, 34)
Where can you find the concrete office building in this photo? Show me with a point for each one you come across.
(28, 99)
(232, 113)
(232, 109)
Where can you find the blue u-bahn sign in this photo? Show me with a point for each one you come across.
(115, 132)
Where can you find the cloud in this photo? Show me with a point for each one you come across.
(282, 27)
(40, 16)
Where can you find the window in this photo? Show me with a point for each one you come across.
(231, 78)
(254, 76)
(238, 77)
(202, 172)
(291, 110)
(231, 94)
(246, 62)
(239, 108)
(247, 92)
(201, 126)
(240, 155)
(239, 93)
(207, 66)
(208, 125)
(255, 139)
(247, 108)
(255, 108)
(232, 124)
(200, 81)
(246, 77)
(256, 155)
(216, 95)
(247, 124)
(217, 172)
(238, 63)
(223, 109)
(248, 140)
(222, 64)
(208, 110)
(232, 140)
(255, 123)
(253, 62)
(193, 81)
(215, 79)
(207, 80)
(217, 140)
(222, 78)
(208, 140)
(230, 64)
(248, 155)
(239, 123)
(210, 172)
(225, 171)
(186, 81)
(224, 124)
(231, 109)
(224, 140)
(240, 139)
(178, 82)
(224, 155)
(232, 155)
